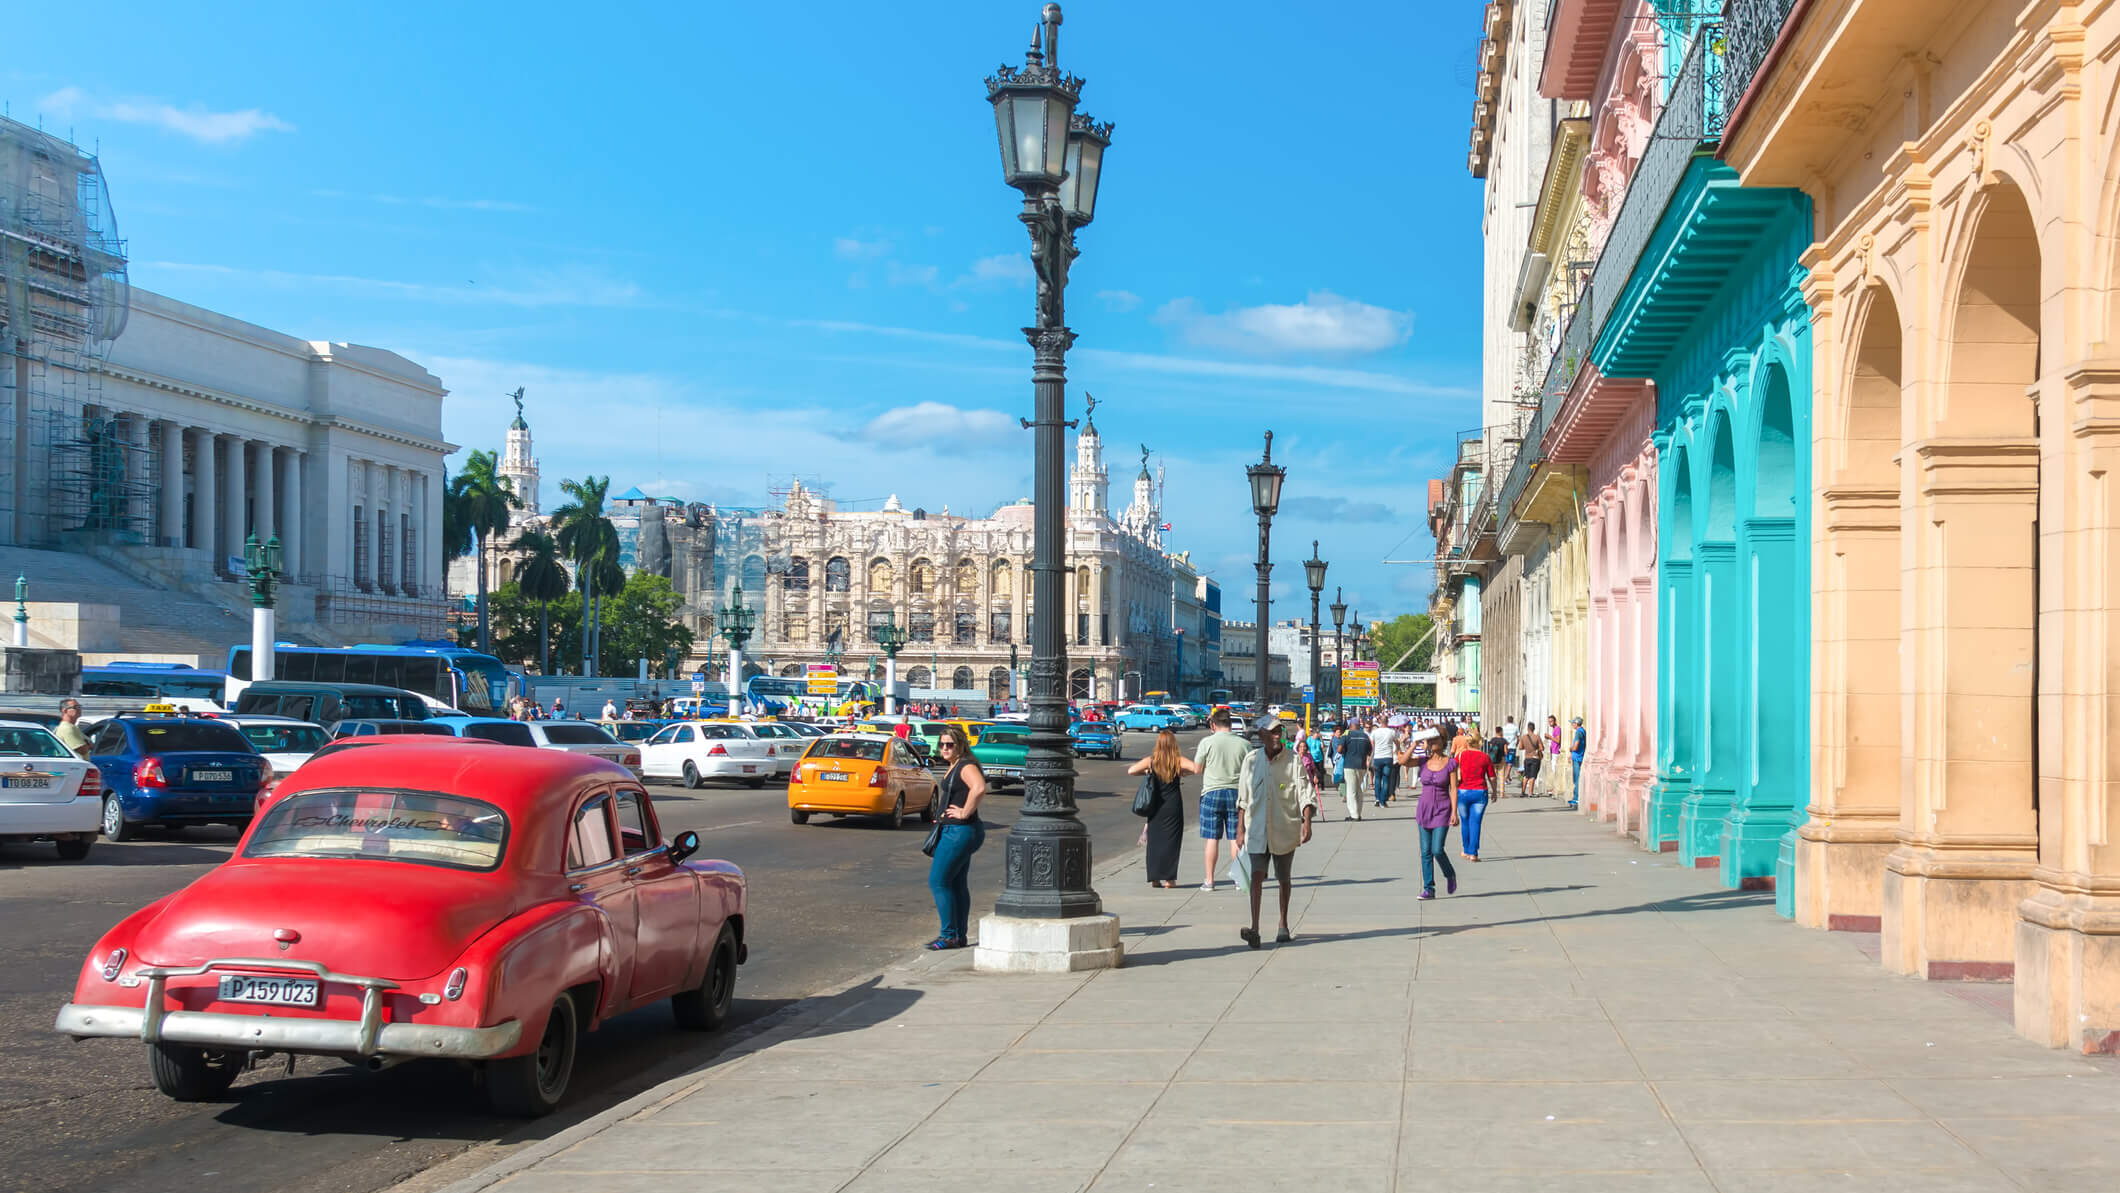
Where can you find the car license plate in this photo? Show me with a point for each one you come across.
(750, 770)
(26, 781)
(834, 776)
(279, 992)
(213, 776)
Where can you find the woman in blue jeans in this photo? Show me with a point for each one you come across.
(1433, 814)
(949, 878)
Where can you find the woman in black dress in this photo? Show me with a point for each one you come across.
(1166, 815)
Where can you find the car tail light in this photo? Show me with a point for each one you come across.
(876, 777)
(454, 989)
(632, 760)
(772, 752)
(91, 783)
(113, 965)
(148, 773)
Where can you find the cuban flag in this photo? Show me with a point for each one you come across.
(1164, 526)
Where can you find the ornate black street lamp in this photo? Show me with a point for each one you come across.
(737, 622)
(261, 562)
(1314, 572)
(1339, 654)
(892, 638)
(1266, 477)
(1055, 156)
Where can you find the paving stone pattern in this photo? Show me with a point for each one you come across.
(1581, 1016)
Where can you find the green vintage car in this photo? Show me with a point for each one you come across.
(1000, 753)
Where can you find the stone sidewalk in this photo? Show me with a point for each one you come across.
(1580, 1016)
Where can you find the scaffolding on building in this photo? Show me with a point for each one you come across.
(64, 297)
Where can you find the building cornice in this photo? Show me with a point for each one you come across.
(256, 406)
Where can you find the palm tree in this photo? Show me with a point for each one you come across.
(483, 499)
(544, 580)
(587, 539)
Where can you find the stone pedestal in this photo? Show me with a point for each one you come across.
(2068, 970)
(37, 671)
(1839, 872)
(1009, 944)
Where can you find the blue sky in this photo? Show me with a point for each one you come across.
(722, 245)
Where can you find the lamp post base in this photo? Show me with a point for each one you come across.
(1015, 944)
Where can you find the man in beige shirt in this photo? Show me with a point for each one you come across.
(1276, 798)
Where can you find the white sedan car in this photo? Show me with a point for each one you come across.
(585, 737)
(784, 743)
(695, 751)
(46, 793)
(285, 742)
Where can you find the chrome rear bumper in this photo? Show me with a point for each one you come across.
(366, 1036)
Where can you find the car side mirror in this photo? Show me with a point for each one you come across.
(684, 845)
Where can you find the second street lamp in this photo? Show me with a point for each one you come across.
(1266, 477)
(1339, 654)
(1314, 573)
(892, 638)
(1054, 155)
(737, 622)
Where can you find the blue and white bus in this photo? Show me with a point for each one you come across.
(157, 683)
(775, 693)
(448, 676)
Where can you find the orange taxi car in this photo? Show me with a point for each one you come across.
(861, 774)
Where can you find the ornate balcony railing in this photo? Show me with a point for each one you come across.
(1750, 29)
(1691, 120)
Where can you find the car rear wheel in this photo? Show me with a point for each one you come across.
(115, 825)
(898, 813)
(692, 779)
(798, 816)
(189, 1074)
(73, 851)
(706, 1006)
(532, 1084)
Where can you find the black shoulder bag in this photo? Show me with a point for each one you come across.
(934, 833)
(1145, 795)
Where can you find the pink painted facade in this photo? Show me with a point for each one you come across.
(1621, 519)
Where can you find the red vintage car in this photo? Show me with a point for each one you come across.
(426, 899)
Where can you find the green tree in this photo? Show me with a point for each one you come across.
(645, 624)
(482, 499)
(542, 579)
(590, 542)
(1405, 644)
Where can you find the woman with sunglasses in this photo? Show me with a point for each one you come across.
(949, 877)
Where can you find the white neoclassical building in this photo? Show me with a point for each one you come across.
(158, 435)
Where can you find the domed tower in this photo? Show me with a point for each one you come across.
(1087, 481)
(1144, 518)
(518, 466)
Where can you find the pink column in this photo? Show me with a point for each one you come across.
(1601, 711)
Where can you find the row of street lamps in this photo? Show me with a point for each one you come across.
(1266, 478)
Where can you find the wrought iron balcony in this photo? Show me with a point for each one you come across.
(1691, 121)
(1750, 29)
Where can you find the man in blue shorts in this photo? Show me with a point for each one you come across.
(1221, 758)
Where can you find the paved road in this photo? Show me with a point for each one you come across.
(831, 901)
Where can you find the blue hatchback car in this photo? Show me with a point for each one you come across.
(175, 771)
(1094, 737)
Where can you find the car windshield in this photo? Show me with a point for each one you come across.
(285, 739)
(25, 741)
(846, 747)
(179, 736)
(397, 826)
(578, 735)
(372, 706)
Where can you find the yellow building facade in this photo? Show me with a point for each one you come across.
(1963, 160)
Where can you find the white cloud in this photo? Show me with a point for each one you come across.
(899, 274)
(197, 122)
(1013, 268)
(533, 288)
(936, 424)
(1119, 300)
(849, 248)
(1322, 322)
(437, 202)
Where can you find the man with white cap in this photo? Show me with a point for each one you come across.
(1277, 795)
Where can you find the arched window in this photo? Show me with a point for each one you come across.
(1082, 588)
(838, 574)
(507, 572)
(997, 684)
(961, 679)
(922, 577)
(1004, 579)
(798, 576)
(967, 578)
(880, 575)
(1078, 684)
(919, 677)
(791, 670)
(754, 575)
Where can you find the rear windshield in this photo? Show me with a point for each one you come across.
(180, 736)
(992, 738)
(846, 747)
(24, 742)
(421, 728)
(578, 735)
(376, 707)
(511, 733)
(285, 739)
(397, 826)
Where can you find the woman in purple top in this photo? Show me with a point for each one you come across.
(1434, 813)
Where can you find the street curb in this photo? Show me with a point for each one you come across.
(755, 1036)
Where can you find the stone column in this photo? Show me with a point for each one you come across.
(1770, 786)
(171, 531)
(264, 484)
(1678, 689)
(238, 514)
(206, 497)
(291, 534)
(1719, 730)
